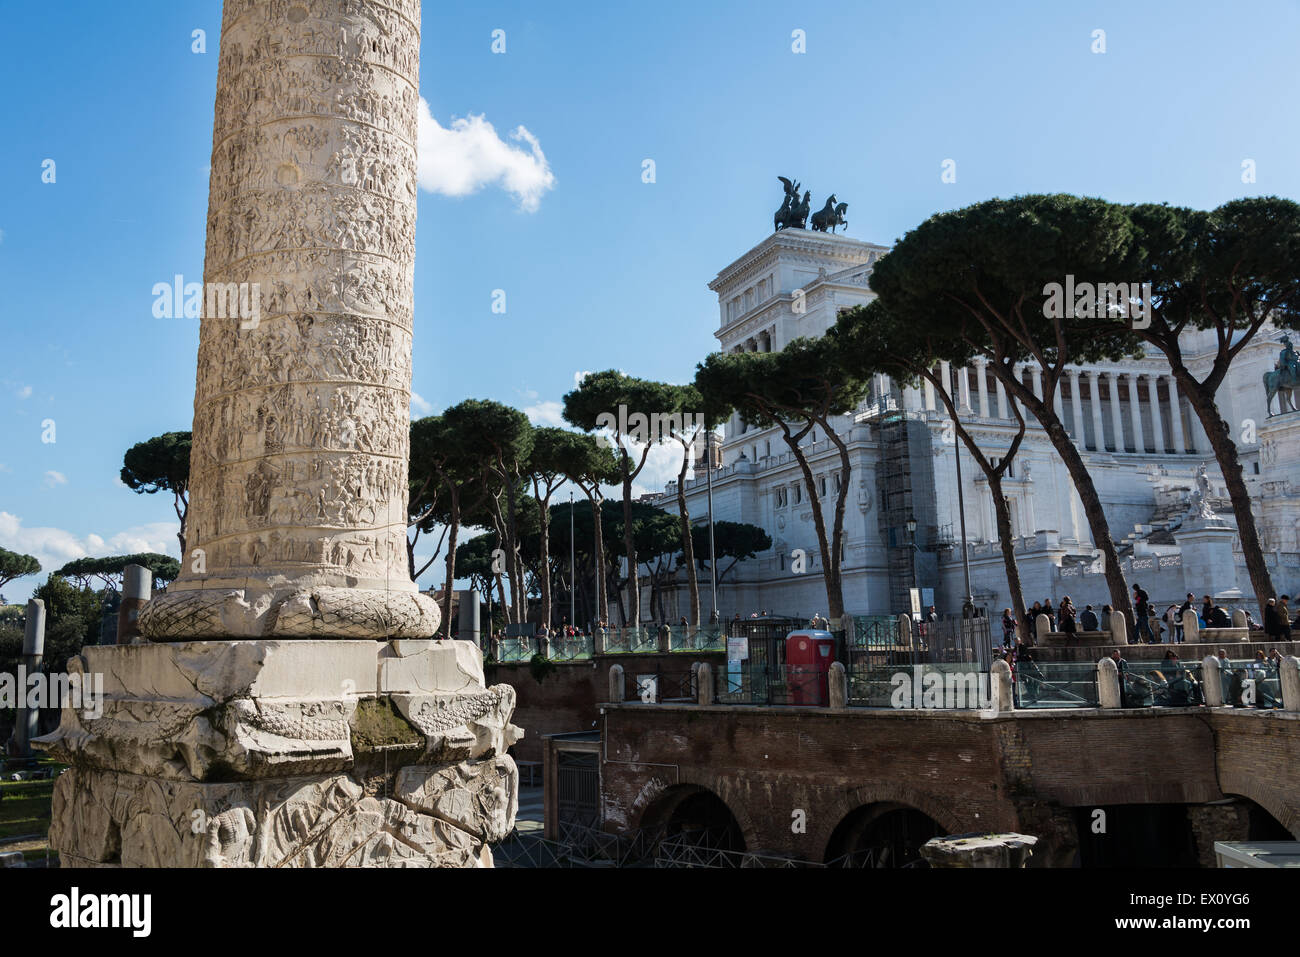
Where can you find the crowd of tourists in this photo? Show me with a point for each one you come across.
(1153, 626)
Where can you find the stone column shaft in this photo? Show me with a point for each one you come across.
(982, 386)
(1076, 408)
(1135, 411)
(1116, 416)
(298, 474)
(1094, 394)
(1157, 425)
(1176, 417)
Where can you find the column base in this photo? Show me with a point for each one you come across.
(316, 612)
(284, 754)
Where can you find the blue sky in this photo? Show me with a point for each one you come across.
(607, 271)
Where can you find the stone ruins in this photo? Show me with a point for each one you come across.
(287, 706)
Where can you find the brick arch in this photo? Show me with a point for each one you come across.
(660, 807)
(1240, 786)
(835, 811)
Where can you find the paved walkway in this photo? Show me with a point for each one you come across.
(529, 819)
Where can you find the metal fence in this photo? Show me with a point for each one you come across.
(661, 686)
(733, 683)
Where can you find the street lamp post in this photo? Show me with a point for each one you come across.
(713, 564)
(968, 606)
(573, 595)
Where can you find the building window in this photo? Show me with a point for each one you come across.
(768, 447)
(837, 483)
(821, 485)
(798, 493)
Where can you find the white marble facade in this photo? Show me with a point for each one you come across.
(793, 284)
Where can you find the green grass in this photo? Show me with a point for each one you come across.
(25, 806)
(27, 812)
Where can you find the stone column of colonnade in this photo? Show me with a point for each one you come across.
(298, 475)
(292, 709)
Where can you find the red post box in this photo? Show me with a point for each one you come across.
(808, 657)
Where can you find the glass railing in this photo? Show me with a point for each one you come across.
(1250, 683)
(1056, 684)
(517, 649)
(961, 686)
(690, 638)
(1162, 684)
(574, 648)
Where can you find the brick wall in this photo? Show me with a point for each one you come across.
(1029, 772)
(568, 698)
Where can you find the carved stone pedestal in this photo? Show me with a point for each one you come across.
(273, 753)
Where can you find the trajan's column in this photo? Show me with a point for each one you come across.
(289, 707)
(298, 484)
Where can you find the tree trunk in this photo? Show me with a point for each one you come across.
(1225, 451)
(830, 563)
(602, 595)
(1042, 410)
(182, 514)
(688, 546)
(452, 533)
(514, 564)
(1003, 516)
(618, 597)
(634, 580)
(501, 599)
(545, 564)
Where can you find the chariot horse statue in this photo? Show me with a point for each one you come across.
(1284, 380)
(793, 213)
(830, 216)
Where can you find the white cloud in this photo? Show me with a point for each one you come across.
(661, 467)
(53, 478)
(55, 547)
(462, 159)
(578, 377)
(546, 413)
(25, 392)
(420, 406)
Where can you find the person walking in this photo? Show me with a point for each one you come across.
(1272, 624)
(1066, 612)
(1008, 628)
(1171, 622)
(1121, 666)
(1033, 620)
(1142, 611)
